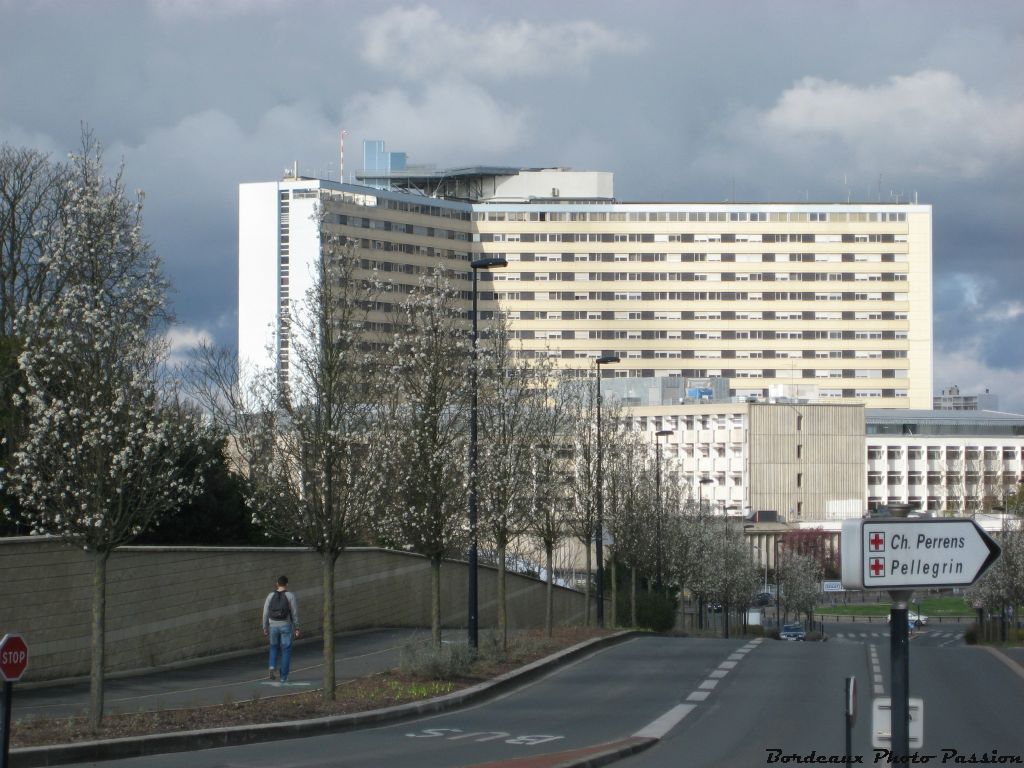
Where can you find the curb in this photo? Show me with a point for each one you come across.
(187, 741)
(584, 757)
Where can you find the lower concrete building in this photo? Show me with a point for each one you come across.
(816, 464)
(946, 462)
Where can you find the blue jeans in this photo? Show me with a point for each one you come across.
(281, 636)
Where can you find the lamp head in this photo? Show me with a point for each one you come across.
(608, 359)
(489, 262)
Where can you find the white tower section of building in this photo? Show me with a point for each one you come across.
(278, 245)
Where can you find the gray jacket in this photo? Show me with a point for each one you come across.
(292, 602)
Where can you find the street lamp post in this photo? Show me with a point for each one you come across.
(700, 494)
(657, 494)
(762, 556)
(487, 262)
(700, 516)
(599, 533)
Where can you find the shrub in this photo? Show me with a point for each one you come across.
(421, 658)
(654, 611)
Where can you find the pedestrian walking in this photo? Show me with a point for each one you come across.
(281, 625)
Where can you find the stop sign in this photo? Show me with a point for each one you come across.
(13, 657)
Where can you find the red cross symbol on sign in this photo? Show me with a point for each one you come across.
(877, 542)
(877, 566)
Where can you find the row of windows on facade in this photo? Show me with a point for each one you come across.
(935, 453)
(795, 217)
(803, 296)
(709, 277)
(971, 479)
(431, 252)
(651, 257)
(690, 315)
(932, 503)
(654, 237)
(714, 335)
(506, 276)
(461, 213)
(387, 225)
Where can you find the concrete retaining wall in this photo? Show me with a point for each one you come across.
(172, 604)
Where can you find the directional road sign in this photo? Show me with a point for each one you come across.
(909, 553)
(13, 657)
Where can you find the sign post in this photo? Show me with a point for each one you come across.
(900, 554)
(13, 661)
(851, 716)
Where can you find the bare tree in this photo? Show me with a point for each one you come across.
(100, 456)
(582, 516)
(425, 421)
(33, 198)
(550, 485)
(33, 201)
(629, 497)
(510, 420)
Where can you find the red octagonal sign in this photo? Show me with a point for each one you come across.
(13, 657)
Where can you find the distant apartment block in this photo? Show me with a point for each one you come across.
(950, 399)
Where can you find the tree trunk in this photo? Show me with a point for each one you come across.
(328, 562)
(435, 600)
(586, 589)
(99, 609)
(615, 591)
(632, 597)
(549, 609)
(502, 599)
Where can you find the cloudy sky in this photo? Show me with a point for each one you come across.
(683, 101)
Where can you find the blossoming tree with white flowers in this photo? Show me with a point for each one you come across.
(100, 457)
(307, 442)
(514, 467)
(426, 422)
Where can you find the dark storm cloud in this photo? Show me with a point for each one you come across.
(683, 101)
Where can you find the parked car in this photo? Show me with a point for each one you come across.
(762, 599)
(914, 619)
(792, 632)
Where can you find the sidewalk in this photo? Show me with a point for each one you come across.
(205, 683)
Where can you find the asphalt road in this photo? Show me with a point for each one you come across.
(792, 701)
(714, 702)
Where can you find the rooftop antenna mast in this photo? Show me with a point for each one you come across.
(341, 158)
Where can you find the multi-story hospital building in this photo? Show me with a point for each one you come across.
(831, 301)
(817, 304)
